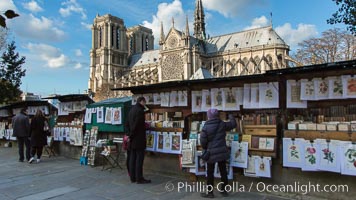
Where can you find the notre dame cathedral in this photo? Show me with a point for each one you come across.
(122, 57)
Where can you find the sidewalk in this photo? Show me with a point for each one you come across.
(62, 178)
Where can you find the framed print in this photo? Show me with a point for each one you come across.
(268, 95)
(108, 115)
(321, 88)
(100, 115)
(159, 142)
(151, 141)
(116, 115)
(349, 86)
(263, 166)
(196, 101)
(216, 98)
(167, 142)
(293, 152)
(239, 154)
(229, 99)
(250, 170)
(293, 95)
(87, 118)
(309, 158)
(307, 90)
(328, 158)
(206, 100)
(173, 99)
(335, 87)
(176, 142)
(348, 158)
(156, 99)
(187, 152)
(182, 98)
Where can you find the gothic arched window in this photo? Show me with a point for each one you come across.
(146, 43)
(118, 38)
(100, 36)
(112, 35)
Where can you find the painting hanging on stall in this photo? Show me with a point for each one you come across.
(149, 98)
(100, 115)
(250, 170)
(348, 158)
(328, 158)
(269, 95)
(196, 101)
(176, 142)
(247, 96)
(293, 152)
(116, 116)
(182, 98)
(166, 142)
(229, 99)
(309, 158)
(206, 100)
(349, 86)
(263, 166)
(87, 117)
(293, 95)
(173, 99)
(108, 115)
(239, 154)
(335, 87)
(307, 89)
(150, 140)
(159, 142)
(187, 152)
(321, 88)
(217, 98)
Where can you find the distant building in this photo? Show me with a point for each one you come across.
(30, 97)
(123, 56)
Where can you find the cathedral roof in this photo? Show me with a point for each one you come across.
(147, 57)
(243, 39)
(201, 73)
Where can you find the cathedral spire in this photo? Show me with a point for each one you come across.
(162, 38)
(187, 27)
(199, 20)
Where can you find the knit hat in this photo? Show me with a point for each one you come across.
(213, 113)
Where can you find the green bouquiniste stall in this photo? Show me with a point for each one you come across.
(124, 103)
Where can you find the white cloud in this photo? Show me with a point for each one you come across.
(29, 26)
(53, 56)
(87, 26)
(164, 14)
(78, 52)
(7, 4)
(294, 36)
(258, 22)
(230, 8)
(32, 6)
(78, 66)
(71, 6)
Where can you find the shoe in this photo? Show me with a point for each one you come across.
(207, 195)
(31, 160)
(224, 194)
(38, 160)
(20, 160)
(143, 181)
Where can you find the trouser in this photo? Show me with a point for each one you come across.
(128, 152)
(38, 150)
(223, 174)
(21, 142)
(136, 164)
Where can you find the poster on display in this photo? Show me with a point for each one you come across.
(72, 135)
(182, 98)
(116, 116)
(187, 152)
(255, 97)
(159, 142)
(239, 96)
(348, 158)
(349, 86)
(206, 100)
(165, 99)
(176, 142)
(156, 99)
(87, 118)
(263, 166)
(229, 99)
(196, 101)
(216, 98)
(100, 114)
(328, 158)
(247, 96)
(78, 137)
(108, 115)
(268, 95)
(239, 154)
(293, 95)
(200, 165)
(293, 152)
(56, 134)
(250, 170)
(335, 87)
(173, 99)
(166, 142)
(150, 140)
(307, 90)
(309, 158)
(321, 88)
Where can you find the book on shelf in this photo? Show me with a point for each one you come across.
(262, 143)
(247, 138)
(270, 143)
(255, 142)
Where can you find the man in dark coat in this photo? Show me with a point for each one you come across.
(137, 141)
(38, 135)
(212, 138)
(21, 130)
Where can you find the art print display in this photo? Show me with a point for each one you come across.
(321, 88)
(255, 95)
(182, 98)
(160, 142)
(149, 98)
(293, 95)
(78, 137)
(87, 118)
(348, 158)
(108, 115)
(56, 134)
(151, 141)
(268, 95)
(307, 89)
(156, 99)
(239, 154)
(165, 99)
(200, 164)
(229, 99)
(196, 101)
(229, 170)
(173, 99)
(206, 100)
(166, 142)
(328, 158)
(71, 136)
(247, 96)
(335, 87)
(176, 142)
(116, 115)
(239, 96)
(270, 143)
(216, 98)
(187, 152)
(77, 106)
(100, 115)
(292, 152)
(263, 166)
(251, 169)
(309, 156)
(349, 86)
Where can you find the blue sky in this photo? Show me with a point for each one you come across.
(55, 35)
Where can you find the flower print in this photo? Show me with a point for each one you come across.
(328, 155)
(311, 150)
(294, 152)
(293, 147)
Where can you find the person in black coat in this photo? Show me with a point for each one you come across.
(21, 130)
(212, 138)
(137, 137)
(38, 135)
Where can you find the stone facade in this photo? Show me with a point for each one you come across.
(123, 57)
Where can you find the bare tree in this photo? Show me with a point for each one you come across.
(334, 45)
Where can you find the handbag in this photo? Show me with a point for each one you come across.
(206, 153)
(126, 143)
